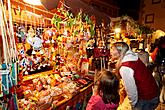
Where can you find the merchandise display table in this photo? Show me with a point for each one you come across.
(68, 93)
(80, 98)
(30, 77)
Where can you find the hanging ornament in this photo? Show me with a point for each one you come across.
(64, 39)
(53, 41)
(47, 41)
(26, 73)
(52, 49)
(22, 52)
(33, 52)
(39, 68)
(48, 34)
(41, 65)
(41, 52)
(21, 34)
(53, 58)
(37, 43)
(31, 69)
(65, 33)
(30, 35)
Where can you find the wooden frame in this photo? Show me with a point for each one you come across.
(149, 18)
(156, 1)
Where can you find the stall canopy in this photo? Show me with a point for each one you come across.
(75, 6)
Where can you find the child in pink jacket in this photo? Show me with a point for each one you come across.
(105, 93)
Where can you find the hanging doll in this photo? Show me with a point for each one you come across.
(47, 36)
(90, 47)
(83, 64)
(57, 62)
(30, 36)
(101, 55)
(30, 64)
(37, 42)
(90, 52)
(21, 34)
(22, 58)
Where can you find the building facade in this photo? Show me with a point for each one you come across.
(152, 13)
(107, 6)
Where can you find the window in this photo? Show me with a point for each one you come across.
(149, 18)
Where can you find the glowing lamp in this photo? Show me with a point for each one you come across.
(33, 2)
(117, 30)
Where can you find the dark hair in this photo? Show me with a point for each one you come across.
(160, 55)
(161, 41)
(108, 85)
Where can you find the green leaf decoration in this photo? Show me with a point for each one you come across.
(59, 19)
(58, 25)
(71, 15)
(76, 32)
(74, 21)
(90, 21)
(81, 27)
(52, 21)
(58, 10)
(79, 16)
(63, 13)
(86, 18)
(71, 22)
(92, 31)
(67, 14)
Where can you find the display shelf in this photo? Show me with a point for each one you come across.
(30, 77)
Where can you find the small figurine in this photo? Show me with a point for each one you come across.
(21, 34)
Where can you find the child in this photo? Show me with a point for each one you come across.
(105, 93)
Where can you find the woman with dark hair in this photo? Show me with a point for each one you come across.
(105, 93)
(158, 58)
(160, 54)
(159, 51)
(140, 85)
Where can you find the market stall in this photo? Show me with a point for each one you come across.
(61, 49)
(49, 59)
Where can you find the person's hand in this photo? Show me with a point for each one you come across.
(95, 90)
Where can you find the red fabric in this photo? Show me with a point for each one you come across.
(145, 82)
(11, 104)
(100, 52)
(1, 40)
(96, 103)
(97, 53)
(154, 53)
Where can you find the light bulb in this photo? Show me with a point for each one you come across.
(33, 2)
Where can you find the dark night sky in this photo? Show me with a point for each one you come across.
(129, 7)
